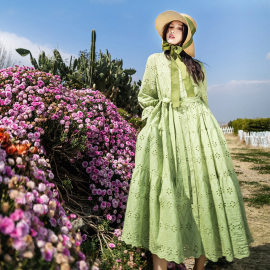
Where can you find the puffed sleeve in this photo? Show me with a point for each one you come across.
(203, 86)
(148, 96)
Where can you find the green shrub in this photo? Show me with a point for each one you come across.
(259, 124)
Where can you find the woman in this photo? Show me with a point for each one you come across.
(184, 198)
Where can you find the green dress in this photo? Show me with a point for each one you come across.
(184, 198)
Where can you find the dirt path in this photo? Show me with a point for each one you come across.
(253, 168)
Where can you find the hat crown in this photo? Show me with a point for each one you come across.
(171, 15)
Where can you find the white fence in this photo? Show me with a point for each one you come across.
(227, 130)
(261, 139)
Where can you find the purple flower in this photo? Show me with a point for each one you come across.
(84, 237)
(108, 204)
(23, 227)
(53, 222)
(103, 205)
(85, 164)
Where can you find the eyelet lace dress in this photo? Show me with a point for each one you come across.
(184, 198)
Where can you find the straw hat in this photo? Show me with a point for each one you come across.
(170, 15)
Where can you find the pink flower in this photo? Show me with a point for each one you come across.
(41, 187)
(109, 217)
(16, 81)
(7, 225)
(82, 265)
(117, 232)
(39, 209)
(111, 245)
(17, 215)
(19, 244)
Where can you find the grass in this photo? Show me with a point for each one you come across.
(253, 183)
(245, 157)
(261, 197)
(262, 169)
(258, 200)
(258, 157)
(254, 153)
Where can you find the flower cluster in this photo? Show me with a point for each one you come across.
(122, 256)
(36, 108)
(32, 220)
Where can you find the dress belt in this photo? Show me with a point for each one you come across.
(168, 114)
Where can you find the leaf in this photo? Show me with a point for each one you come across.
(130, 71)
(22, 52)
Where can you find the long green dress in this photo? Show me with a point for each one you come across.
(184, 198)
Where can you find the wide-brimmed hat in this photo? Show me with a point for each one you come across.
(170, 15)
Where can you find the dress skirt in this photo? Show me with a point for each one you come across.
(185, 198)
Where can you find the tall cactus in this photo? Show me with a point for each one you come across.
(92, 56)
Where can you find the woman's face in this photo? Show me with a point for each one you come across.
(174, 33)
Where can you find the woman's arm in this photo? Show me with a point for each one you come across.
(148, 96)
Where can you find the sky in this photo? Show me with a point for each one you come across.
(232, 39)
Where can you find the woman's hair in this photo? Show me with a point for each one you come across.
(193, 67)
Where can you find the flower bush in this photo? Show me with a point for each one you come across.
(35, 231)
(80, 128)
(73, 139)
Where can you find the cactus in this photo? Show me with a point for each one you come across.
(92, 56)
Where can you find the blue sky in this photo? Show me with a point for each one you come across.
(232, 38)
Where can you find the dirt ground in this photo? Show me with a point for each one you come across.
(249, 163)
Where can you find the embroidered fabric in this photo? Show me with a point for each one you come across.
(184, 198)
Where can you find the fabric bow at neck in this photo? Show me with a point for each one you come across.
(176, 63)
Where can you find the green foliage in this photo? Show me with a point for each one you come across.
(259, 124)
(118, 255)
(134, 120)
(115, 82)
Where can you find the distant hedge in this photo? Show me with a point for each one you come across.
(260, 124)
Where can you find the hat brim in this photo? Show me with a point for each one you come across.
(168, 16)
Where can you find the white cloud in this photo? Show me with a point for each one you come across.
(12, 41)
(240, 84)
(268, 56)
